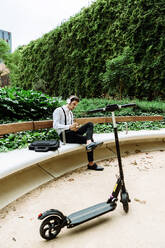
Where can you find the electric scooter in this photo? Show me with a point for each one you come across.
(54, 220)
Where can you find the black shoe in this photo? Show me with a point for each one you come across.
(93, 145)
(95, 167)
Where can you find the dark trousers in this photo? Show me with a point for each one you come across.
(84, 133)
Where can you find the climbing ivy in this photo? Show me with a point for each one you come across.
(75, 57)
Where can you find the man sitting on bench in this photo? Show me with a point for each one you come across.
(63, 123)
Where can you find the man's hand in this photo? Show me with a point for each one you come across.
(74, 126)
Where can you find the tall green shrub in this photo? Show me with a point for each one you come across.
(73, 57)
(120, 72)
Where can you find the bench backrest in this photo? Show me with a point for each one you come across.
(35, 125)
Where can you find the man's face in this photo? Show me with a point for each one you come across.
(72, 105)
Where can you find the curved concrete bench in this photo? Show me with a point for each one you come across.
(24, 170)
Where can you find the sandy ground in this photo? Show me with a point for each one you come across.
(142, 227)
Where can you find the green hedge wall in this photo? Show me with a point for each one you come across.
(76, 57)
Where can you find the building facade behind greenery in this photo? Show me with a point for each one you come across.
(5, 35)
(4, 72)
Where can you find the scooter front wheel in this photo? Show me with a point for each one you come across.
(125, 200)
(126, 207)
(50, 227)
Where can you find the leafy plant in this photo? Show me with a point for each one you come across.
(16, 103)
(136, 126)
(142, 107)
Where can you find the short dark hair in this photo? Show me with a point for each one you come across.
(74, 98)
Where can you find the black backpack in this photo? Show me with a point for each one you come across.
(44, 145)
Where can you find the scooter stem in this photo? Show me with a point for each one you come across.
(118, 151)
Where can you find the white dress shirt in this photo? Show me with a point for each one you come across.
(59, 119)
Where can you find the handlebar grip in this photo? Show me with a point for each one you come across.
(128, 105)
(96, 110)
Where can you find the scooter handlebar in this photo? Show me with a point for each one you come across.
(112, 107)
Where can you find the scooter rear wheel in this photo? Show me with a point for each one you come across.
(50, 227)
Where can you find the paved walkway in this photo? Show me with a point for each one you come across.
(142, 227)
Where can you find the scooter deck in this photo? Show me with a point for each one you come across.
(90, 213)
